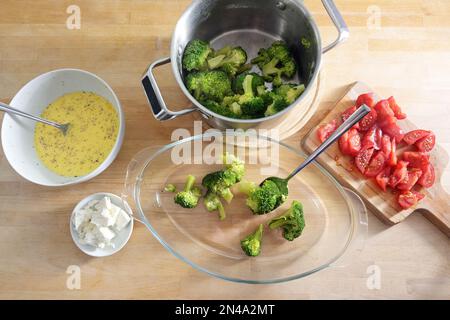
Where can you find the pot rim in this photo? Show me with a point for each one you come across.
(204, 110)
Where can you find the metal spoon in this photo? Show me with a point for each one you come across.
(343, 128)
(9, 109)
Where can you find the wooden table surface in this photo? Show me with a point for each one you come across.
(398, 47)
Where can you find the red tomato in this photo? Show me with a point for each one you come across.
(392, 160)
(400, 173)
(426, 144)
(325, 131)
(396, 108)
(368, 121)
(415, 135)
(383, 110)
(407, 199)
(343, 143)
(383, 177)
(363, 158)
(372, 138)
(347, 113)
(367, 99)
(418, 195)
(416, 159)
(376, 165)
(413, 175)
(354, 142)
(428, 177)
(394, 131)
(386, 145)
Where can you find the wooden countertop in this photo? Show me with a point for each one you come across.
(408, 56)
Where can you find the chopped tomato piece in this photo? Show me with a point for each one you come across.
(416, 159)
(368, 121)
(407, 199)
(393, 130)
(418, 195)
(383, 110)
(354, 142)
(347, 113)
(399, 174)
(386, 145)
(392, 160)
(396, 108)
(412, 177)
(363, 158)
(372, 138)
(428, 177)
(426, 144)
(383, 177)
(367, 99)
(415, 135)
(375, 165)
(343, 143)
(325, 131)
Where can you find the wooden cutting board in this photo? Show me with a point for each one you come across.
(435, 206)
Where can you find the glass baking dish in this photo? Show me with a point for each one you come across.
(336, 219)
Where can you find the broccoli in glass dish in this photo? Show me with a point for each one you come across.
(251, 245)
(292, 221)
(262, 199)
(188, 198)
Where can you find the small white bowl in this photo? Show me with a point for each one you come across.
(121, 238)
(18, 132)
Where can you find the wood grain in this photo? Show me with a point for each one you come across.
(407, 55)
(384, 204)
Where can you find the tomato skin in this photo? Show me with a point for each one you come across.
(394, 131)
(347, 113)
(343, 143)
(324, 131)
(399, 174)
(396, 108)
(368, 121)
(383, 177)
(418, 195)
(376, 165)
(384, 110)
(412, 177)
(354, 142)
(386, 145)
(428, 177)
(426, 144)
(415, 135)
(363, 158)
(416, 159)
(392, 160)
(407, 199)
(367, 99)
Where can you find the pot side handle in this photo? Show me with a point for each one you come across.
(338, 21)
(157, 103)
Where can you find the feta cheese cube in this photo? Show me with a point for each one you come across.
(122, 220)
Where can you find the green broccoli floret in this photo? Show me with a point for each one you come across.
(278, 103)
(251, 105)
(235, 165)
(209, 85)
(188, 198)
(219, 108)
(213, 203)
(282, 185)
(251, 245)
(290, 91)
(195, 55)
(257, 81)
(275, 62)
(219, 182)
(170, 188)
(262, 199)
(230, 60)
(292, 221)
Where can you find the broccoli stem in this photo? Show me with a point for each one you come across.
(259, 232)
(222, 214)
(247, 85)
(189, 183)
(278, 222)
(247, 187)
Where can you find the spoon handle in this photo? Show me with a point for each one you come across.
(360, 113)
(9, 109)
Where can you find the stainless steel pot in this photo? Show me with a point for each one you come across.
(252, 24)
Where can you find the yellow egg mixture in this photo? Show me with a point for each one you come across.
(94, 125)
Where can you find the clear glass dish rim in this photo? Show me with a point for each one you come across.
(136, 195)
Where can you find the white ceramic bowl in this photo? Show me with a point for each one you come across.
(34, 97)
(121, 238)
